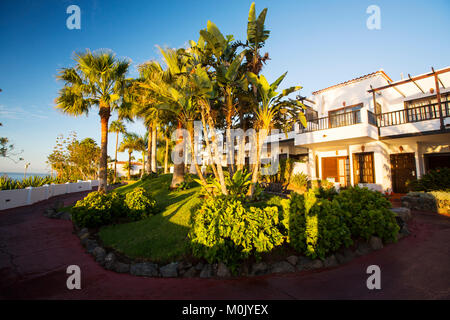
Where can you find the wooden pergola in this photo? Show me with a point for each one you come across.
(415, 81)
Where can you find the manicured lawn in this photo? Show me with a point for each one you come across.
(162, 237)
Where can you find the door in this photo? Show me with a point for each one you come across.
(403, 169)
(336, 168)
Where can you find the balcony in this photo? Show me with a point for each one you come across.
(335, 121)
(357, 125)
(414, 120)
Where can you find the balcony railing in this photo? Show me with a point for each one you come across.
(334, 121)
(393, 118)
(417, 114)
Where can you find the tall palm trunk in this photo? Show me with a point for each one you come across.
(217, 154)
(129, 165)
(194, 154)
(166, 156)
(115, 157)
(230, 142)
(241, 149)
(149, 149)
(178, 169)
(105, 113)
(143, 163)
(154, 165)
(260, 138)
(208, 146)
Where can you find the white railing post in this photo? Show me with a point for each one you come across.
(29, 194)
(47, 191)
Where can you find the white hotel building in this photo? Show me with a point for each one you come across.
(375, 132)
(372, 131)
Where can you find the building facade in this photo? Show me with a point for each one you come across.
(376, 132)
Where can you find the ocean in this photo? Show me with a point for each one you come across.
(19, 175)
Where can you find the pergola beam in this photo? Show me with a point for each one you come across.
(398, 90)
(439, 79)
(409, 76)
(427, 75)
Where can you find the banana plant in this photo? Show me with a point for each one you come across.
(268, 110)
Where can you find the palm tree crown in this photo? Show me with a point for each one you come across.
(98, 79)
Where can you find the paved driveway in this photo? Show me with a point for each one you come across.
(35, 252)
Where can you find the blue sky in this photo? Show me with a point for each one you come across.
(319, 43)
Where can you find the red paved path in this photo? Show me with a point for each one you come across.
(35, 251)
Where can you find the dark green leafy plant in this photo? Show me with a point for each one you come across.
(7, 183)
(93, 211)
(140, 204)
(224, 230)
(368, 214)
(434, 180)
(317, 226)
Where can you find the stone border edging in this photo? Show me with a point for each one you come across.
(110, 261)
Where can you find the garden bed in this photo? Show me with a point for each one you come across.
(160, 245)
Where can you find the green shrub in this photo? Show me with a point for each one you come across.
(118, 208)
(283, 206)
(434, 180)
(326, 193)
(442, 199)
(368, 213)
(139, 203)
(93, 211)
(188, 183)
(224, 230)
(98, 209)
(7, 183)
(317, 226)
(317, 184)
(300, 180)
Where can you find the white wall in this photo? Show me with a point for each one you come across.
(351, 94)
(22, 197)
(13, 198)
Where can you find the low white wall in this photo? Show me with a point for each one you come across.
(94, 183)
(300, 167)
(38, 194)
(13, 198)
(22, 197)
(58, 189)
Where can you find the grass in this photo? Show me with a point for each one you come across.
(161, 237)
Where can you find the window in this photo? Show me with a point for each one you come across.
(345, 116)
(363, 169)
(426, 108)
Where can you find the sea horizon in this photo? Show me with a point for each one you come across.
(20, 175)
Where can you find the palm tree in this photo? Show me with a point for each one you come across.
(129, 143)
(166, 132)
(97, 79)
(230, 76)
(268, 110)
(145, 106)
(117, 126)
(141, 145)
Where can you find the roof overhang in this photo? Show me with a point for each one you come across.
(418, 84)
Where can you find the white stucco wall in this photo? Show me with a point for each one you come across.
(22, 197)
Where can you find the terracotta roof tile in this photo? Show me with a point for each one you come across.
(367, 76)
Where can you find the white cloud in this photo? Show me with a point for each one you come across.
(18, 113)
